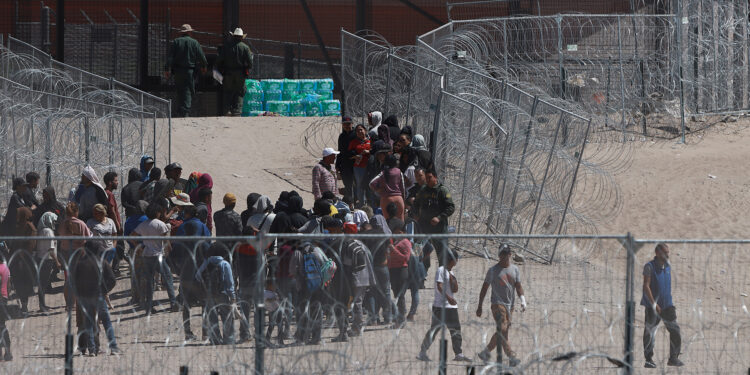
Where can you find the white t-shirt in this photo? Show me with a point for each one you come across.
(45, 243)
(105, 229)
(443, 276)
(155, 227)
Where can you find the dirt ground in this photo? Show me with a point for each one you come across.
(670, 190)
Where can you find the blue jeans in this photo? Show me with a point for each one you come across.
(360, 185)
(103, 311)
(153, 265)
(380, 295)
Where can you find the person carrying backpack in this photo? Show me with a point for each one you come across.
(216, 276)
(357, 265)
(307, 266)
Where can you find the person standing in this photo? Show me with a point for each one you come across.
(16, 201)
(389, 186)
(657, 300)
(322, 177)
(433, 206)
(446, 286)
(102, 226)
(398, 262)
(111, 183)
(154, 258)
(32, 183)
(359, 152)
(505, 280)
(22, 261)
(234, 61)
(227, 220)
(89, 193)
(344, 163)
(174, 172)
(185, 55)
(4, 333)
(45, 255)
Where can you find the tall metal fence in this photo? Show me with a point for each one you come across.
(583, 313)
(56, 119)
(510, 157)
(639, 73)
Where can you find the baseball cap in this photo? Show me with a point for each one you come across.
(181, 199)
(173, 166)
(148, 160)
(504, 249)
(329, 151)
(346, 119)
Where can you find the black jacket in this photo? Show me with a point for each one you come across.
(131, 193)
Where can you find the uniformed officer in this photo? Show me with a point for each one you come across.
(434, 205)
(234, 61)
(185, 55)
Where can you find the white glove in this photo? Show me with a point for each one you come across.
(523, 303)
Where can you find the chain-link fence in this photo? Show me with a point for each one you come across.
(511, 157)
(56, 119)
(640, 73)
(579, 314)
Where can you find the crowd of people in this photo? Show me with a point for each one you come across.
(390, 187)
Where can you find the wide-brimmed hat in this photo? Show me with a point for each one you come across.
(185, 28)
(181, 199)
(237, 32)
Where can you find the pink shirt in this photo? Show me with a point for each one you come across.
(4, 277)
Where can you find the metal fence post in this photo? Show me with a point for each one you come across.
(87, 139)
(388, 82)
(520, 166)
(570, 192)
(408, 96)
(260, 314)
(466, 169)
(48, 153)
(364, 81)
(622, 77)
(544, 177)
(436, 130)
(631, 248)
(561, 71)
(154, 137)
(169, 129)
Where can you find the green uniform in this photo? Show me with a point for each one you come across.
(434, 202)
(234, 62)
(185, 55)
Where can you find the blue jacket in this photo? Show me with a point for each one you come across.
(227, 280)
(193, 227)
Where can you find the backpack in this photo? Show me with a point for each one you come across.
(355, 256)
(313, 267)
(212, 278)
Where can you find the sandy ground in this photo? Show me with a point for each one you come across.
(574, 306)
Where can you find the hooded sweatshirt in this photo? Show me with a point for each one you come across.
(88, 196)
(131, 193)
(50, 205)
(377, 118)
(144, 173)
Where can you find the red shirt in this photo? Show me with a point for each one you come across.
(359, 146)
